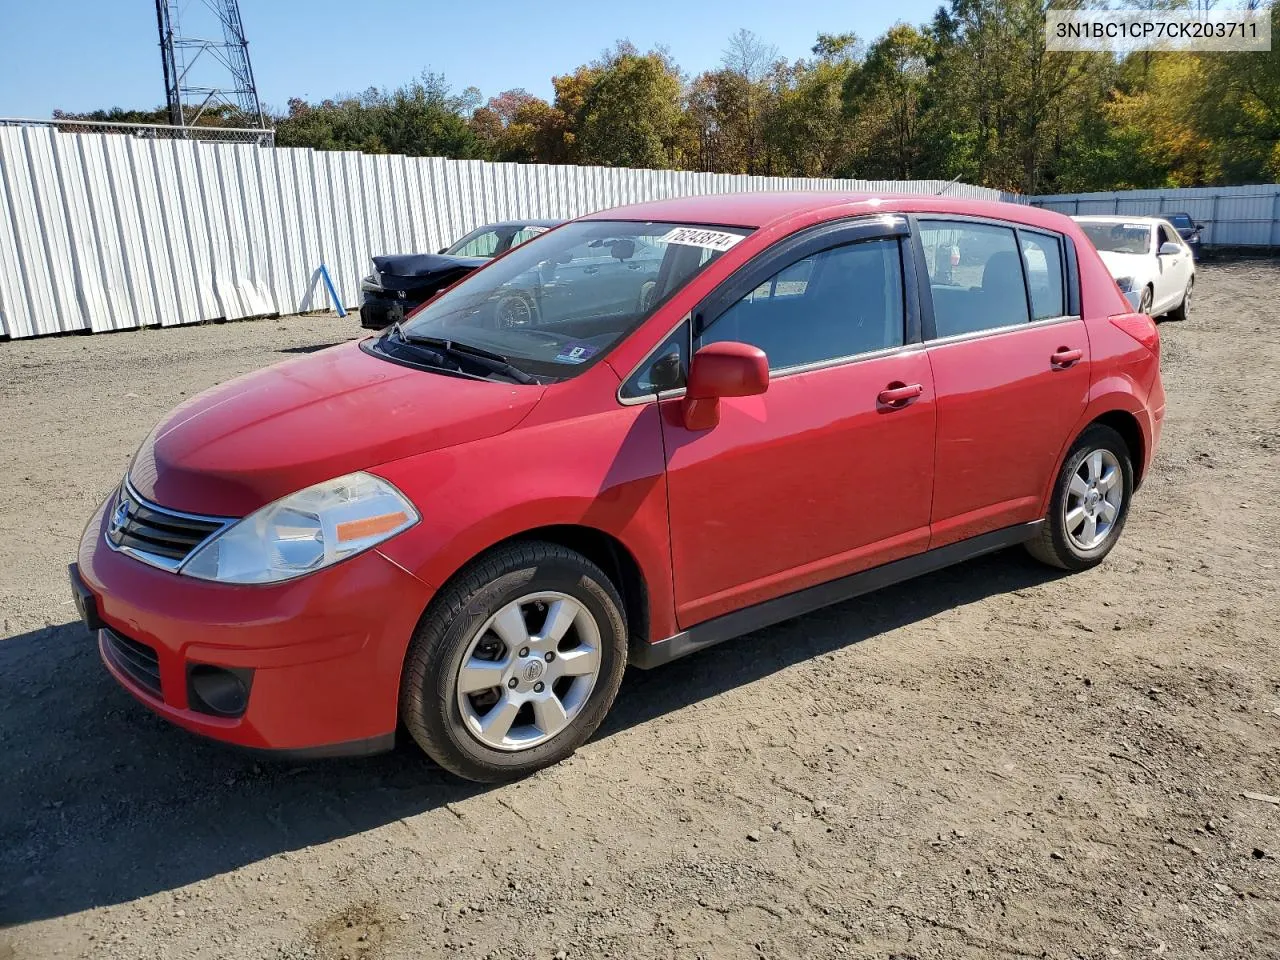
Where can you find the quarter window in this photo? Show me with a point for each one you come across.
(664, 370)
(838, 303)
(976, 277)
(1042, 255)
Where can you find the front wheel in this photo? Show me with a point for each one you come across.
(1182, 310)
(1144, 304)
(515, 664)
(1089, 504)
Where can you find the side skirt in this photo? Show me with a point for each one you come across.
(735, 624)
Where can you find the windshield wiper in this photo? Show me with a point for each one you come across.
(493, 362)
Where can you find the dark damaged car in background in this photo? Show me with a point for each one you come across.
(399, 283)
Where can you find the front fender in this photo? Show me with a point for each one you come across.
(604, 471)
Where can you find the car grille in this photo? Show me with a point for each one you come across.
(138, 661)
(155, 534)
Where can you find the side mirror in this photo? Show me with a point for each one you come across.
(443, 250)
(1199, 226)
(1169, 249)
(721, 370)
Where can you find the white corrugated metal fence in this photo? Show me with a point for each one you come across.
(1247, 216)
(107, 232)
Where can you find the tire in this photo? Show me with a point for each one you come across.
(514, 311)
(1180, 312)
(535, 579)
(1067, 544)
(1144, 304)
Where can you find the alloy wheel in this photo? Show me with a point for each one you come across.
(528, 671)
(514, 311)
(1094, 499)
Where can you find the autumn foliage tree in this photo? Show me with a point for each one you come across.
(973, 93)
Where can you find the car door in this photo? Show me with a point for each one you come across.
(1173, 270)
(829, 471)
(1010, 361)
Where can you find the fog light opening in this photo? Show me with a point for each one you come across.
(222, 691)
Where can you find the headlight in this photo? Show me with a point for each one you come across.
(1125, 284)
(305, 531)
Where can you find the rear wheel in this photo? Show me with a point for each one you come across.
(1090, 502)
(515, 664)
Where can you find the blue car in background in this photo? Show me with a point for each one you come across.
(1188, 230)
(397, 284)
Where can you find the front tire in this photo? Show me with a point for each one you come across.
(1089, 504)
(1181, 311)
(1144, 304)
(515, 664)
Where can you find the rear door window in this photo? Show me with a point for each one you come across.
(975, 276)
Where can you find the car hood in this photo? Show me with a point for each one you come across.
(425, 265)
(1119, 265)
(252, 440)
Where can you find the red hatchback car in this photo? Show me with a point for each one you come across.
(712, 414)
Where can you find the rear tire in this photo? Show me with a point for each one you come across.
(1089, 504)
(543, 623)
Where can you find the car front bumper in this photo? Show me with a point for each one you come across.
(320, 655)
(377, 312)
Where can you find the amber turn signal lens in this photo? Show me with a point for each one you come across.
(369, 526)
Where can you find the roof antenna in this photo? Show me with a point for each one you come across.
(947, 186)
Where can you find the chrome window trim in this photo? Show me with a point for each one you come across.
(167, 564)
(852, 358)
(995, 331)
(784, 372)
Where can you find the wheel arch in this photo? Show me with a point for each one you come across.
(1126, 424)
(1123, 413)
(603, 549)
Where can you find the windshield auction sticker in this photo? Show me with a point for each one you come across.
(1122, 31)
(697, 237)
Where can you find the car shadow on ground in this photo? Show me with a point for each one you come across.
(105, 803)
(314, 347)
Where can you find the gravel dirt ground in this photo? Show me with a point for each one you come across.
(995, 761)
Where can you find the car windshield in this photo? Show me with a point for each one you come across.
(1180, 220)
(491, 241)
(558, 303)
(1119, 237)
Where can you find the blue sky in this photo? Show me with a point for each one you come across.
(88, 54)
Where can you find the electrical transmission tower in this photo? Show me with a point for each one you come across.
(207, 73)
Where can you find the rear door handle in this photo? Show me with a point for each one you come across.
(1064, 357)
(899, 394)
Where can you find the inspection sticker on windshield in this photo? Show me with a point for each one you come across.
(696, 237)
(577, 352)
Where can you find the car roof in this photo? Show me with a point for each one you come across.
(1089, 218)
(761, 209)
(531, 222)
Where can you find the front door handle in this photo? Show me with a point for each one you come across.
(899, 394)
(1064, 357)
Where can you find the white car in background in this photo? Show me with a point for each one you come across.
(1151, 264)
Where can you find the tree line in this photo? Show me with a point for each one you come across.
(973, 94)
